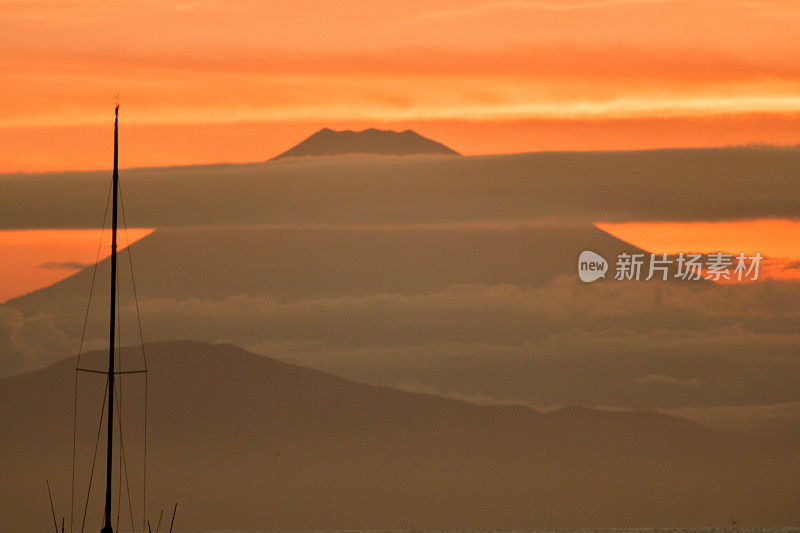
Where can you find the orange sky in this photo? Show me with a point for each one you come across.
(241, 80)
(33, 259)
(775, 239)
(769, 237)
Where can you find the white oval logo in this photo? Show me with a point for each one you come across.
(591, 266)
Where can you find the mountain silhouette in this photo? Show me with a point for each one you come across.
(328, 142)
(242, 441)
(180, 263)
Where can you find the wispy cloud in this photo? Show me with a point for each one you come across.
(488, 8)
(63, 265)
(753, 417)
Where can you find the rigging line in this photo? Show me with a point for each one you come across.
(52, 509)
(119, 496)
(144, 467)
(118, 405)
(94, 458)
(94, 275)
(123, 457)
(118, 355)
(119, 330)
(133, 280)
(77, 364)
(105, 372)
(119, 393)
(74, 446)
(92, 371)
(144, 355)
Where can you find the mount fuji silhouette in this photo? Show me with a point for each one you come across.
(328, 142)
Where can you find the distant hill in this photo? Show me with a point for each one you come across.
(328, 142)
(246, 442)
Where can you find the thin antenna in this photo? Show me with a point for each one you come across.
(173, 517)
(52, 509)
(110, 439)
(158, 526)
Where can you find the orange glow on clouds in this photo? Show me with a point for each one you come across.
(33, 259)
(76, 147)
(581, 67)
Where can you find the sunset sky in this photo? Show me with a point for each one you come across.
(586, 317)
(241, 80)
(205, 81)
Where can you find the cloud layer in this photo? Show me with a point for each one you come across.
(29, 343)
(623, 345)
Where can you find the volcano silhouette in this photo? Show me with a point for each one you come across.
(328, 142)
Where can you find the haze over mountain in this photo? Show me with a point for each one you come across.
(453, 275)
(547, 187)
(327, 142)
(295, 293)
(246, 442)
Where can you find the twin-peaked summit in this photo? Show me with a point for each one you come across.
(327, 142)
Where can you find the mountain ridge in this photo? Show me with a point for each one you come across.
(247, 442)
(371, 141)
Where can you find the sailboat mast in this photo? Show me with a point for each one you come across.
(115, 186)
